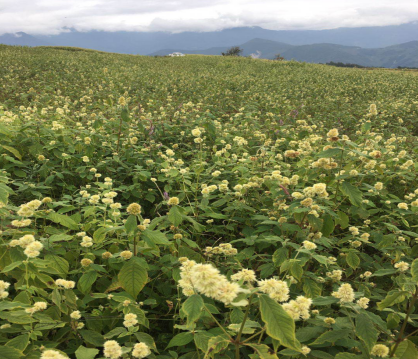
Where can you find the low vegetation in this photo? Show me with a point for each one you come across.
(205, 207)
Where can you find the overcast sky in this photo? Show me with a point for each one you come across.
(53, 16)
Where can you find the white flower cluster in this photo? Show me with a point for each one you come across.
(130, 320)
(299, 308)
(32, 247)
(207, 280)
(52, 354)
(37, 306)
(28, 209)
(345, 293)
(67, 284)
(223, 248)
(3, 289)
(276, 289)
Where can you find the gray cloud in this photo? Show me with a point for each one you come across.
(54, 16)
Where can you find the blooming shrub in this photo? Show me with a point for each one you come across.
(205, 208)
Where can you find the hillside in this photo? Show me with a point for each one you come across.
(205, 207)
(405, 55)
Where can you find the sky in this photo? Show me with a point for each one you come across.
(55, 16)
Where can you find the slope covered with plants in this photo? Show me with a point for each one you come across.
(205, 207)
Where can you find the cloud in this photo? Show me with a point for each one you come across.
(54, 16)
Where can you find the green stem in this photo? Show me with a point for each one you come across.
(238, 338)
(216, 321)
(408, 313)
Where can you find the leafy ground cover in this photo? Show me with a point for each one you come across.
(205, 207)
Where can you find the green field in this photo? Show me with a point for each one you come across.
(205, 207)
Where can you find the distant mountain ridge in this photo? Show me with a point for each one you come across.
(144, 43)
(404, 55)
(386, 46)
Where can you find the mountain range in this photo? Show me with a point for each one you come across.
(404, 55)
(387, 46)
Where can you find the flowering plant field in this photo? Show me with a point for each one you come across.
(205, 207)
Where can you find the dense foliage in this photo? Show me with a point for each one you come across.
(205, 207)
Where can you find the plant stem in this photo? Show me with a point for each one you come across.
(238, 338)
(219, 325)
(408, 313)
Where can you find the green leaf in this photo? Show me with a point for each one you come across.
(279, 325)
(353, 260)
(414, 270)
(20, 342)
(193, 308)
(62, 220)
(7, 352)
(201, 340)
(155, 237)
(263, 351)
(331, 152)
(5, 191)
(133, 276)
(393, 297)
(86, 281)
(131, 225)
(332, 336)
(311, 288)
(353, 193)
(406, 350)
(328, 225)
(366, 331)
(13, 151)
(215, 345)
(180, 340)
(59, 264)
(92, 337)
(175, 215)
(147, 339)
(347, 356)
(86, 353)
(11, 266)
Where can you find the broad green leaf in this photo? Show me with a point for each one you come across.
(13, 151)
(86, 281)
(279, 325)
(366, 331)
(215, 345)
(353, 260)
(180, 340)
(11, 266)
(92, 337)
(327, 226)
(133, 276)
(20, 342)
(392, 298)
(331, 152)
(62, 220)
(347, 356)
(131, 225)
(406, 350)
(332, 336)
(147, 339)
(353, 193)
(155, 237)
(193, 308)
(263, 351)
(311, 288)
(414, 270)
(7, 352)
(175, 215)
(86, 353)
(201, 340)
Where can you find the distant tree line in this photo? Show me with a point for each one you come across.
(341, 64)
